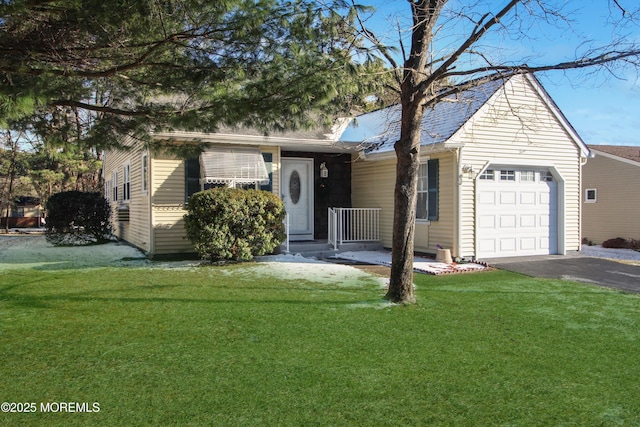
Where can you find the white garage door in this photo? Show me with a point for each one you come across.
(517, 213)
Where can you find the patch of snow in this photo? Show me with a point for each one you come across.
(34, 252)
(292, 258)
(600, 252)
(307, 270)
(420, 264)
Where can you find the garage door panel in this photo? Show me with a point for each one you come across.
(487, 222)
(528, 244)
(508, 221)
(508, 245)
(516, 217)
(544, 244)
(487, 198)
(508, 198)
(544, 199)
(528, 198)
(544, 221)
(487, 246)
(527, 221)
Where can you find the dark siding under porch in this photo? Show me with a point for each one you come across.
(337, 187)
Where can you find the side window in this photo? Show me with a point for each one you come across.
(126, 182)
(423, 192)
(527, 176)
(590, 195)
(145, 173)
(488, 175)
(507, 175)
(114, 186)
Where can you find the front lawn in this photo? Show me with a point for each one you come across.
(228, 346)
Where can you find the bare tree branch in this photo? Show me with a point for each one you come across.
(478, 32)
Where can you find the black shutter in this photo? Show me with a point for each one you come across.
(191, 177)
(433, 167)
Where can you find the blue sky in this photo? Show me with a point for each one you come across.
(603, 109)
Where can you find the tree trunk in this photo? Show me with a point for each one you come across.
(12, 173)
(405, 198)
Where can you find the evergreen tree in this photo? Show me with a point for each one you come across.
(100, 70)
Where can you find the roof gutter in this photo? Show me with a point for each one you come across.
(424, 150)
(299, 144)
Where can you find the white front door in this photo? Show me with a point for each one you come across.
(297, 193)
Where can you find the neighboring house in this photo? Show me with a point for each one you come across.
(610, 193)
(500, 176)
(24, 212)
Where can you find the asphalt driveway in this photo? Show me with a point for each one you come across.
(596, 271)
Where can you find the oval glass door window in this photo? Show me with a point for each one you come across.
(294, 187)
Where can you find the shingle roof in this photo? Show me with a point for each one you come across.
(379, 130)
(624, 151)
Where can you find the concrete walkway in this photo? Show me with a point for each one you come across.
(596, 271)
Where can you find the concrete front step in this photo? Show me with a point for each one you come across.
(321, 249)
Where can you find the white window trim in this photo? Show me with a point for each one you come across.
(126, 179)
(586, 195)
(144, 177)
(425, 221)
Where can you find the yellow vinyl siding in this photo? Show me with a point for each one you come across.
(136, 229)
(615, 212)
(168, 196)
(168, 201)
(372, 186)
(516, 128)
(442, 231)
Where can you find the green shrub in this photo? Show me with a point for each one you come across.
(233, 224)
(78, 218)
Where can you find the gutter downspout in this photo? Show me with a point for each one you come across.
(151, 192)
(583, 161)
(458, 229)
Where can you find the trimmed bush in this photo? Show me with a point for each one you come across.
(78, 218)
(234, 224)
(621, 243)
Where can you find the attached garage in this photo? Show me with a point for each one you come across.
(509, 172)
(517, 212)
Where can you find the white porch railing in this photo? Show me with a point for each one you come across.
(286, 230)
(353, 225)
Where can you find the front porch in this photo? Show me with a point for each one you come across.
(349, 229)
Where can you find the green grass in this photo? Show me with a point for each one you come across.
(222, 346)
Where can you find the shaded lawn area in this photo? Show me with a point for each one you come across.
(221, 346)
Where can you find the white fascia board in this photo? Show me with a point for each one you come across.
(298, 144)
(614, 157)
(425, 151)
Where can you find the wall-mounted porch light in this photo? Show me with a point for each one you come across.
(324, 172)
(467, 169)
